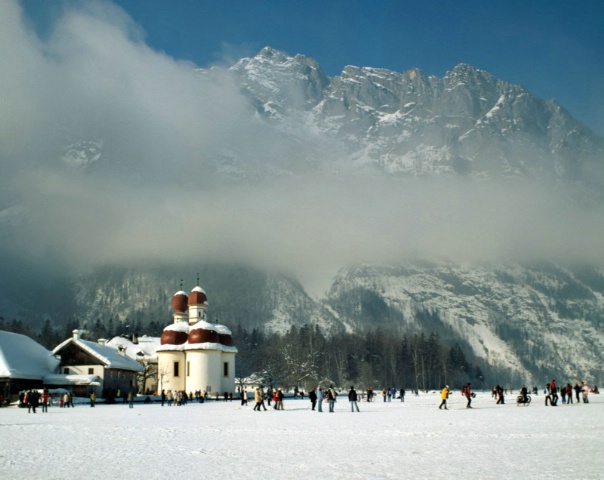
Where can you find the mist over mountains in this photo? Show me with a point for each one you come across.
(331, 190)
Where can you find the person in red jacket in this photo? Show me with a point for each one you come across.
(467, 392)
(553, 391)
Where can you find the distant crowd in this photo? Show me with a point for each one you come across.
(33, 399)
(180, 397)
(567, 394)
(318, 396)
(552, 393)
(329, 395)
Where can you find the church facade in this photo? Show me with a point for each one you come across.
(194, 354)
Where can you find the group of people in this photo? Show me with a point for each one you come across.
(318, 396)
(34, 399)
(388, 394)
(553, 393)
(275, 396)
(31, 399)
(466, 391)
(180, 397)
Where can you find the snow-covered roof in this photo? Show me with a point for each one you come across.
(71, 379)
(197, 346)
(145, 349)
(178, 327)
(221, 329)
(106, 355)
(23, 358)
(186, 328)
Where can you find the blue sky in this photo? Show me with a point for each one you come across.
(554, 48)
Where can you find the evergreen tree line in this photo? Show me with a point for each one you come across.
(380, 358)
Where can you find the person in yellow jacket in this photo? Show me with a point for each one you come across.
(444, 394)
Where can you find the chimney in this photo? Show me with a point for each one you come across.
(76, 334)
(101, 341)
(121, 350)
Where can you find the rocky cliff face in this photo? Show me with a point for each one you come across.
(536, 320)
(409, 124)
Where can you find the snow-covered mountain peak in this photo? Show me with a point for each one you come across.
(405, 124)
(273, 54)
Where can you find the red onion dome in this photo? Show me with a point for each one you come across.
(200, 333)
(175, 334)
(198, 296)
(179, 302)
(225, 339)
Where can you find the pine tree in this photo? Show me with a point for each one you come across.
(47, 336)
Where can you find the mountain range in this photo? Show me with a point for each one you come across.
(410, 124)
(537, 318)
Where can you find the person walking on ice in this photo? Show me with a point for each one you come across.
(352, 398)
(467, 392)
(444, 394)
(259, 399)
(319, 399)
(331, 398)
(584, 392)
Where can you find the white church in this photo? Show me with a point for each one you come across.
(194, 354)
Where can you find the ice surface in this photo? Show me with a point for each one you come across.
(385, 441)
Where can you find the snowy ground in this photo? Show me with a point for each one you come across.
(385, 441)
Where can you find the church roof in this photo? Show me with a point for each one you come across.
(221, 329)
(197, 346)
(198, 296)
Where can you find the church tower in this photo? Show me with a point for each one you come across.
(195, 355)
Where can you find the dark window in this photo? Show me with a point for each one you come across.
(176, 368)
(90, 371)
(66, 371)
(225, 368)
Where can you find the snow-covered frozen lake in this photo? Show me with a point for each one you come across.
(385, 441)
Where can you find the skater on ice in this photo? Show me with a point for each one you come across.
(467, 392)
(444, 395)
(352, 398)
